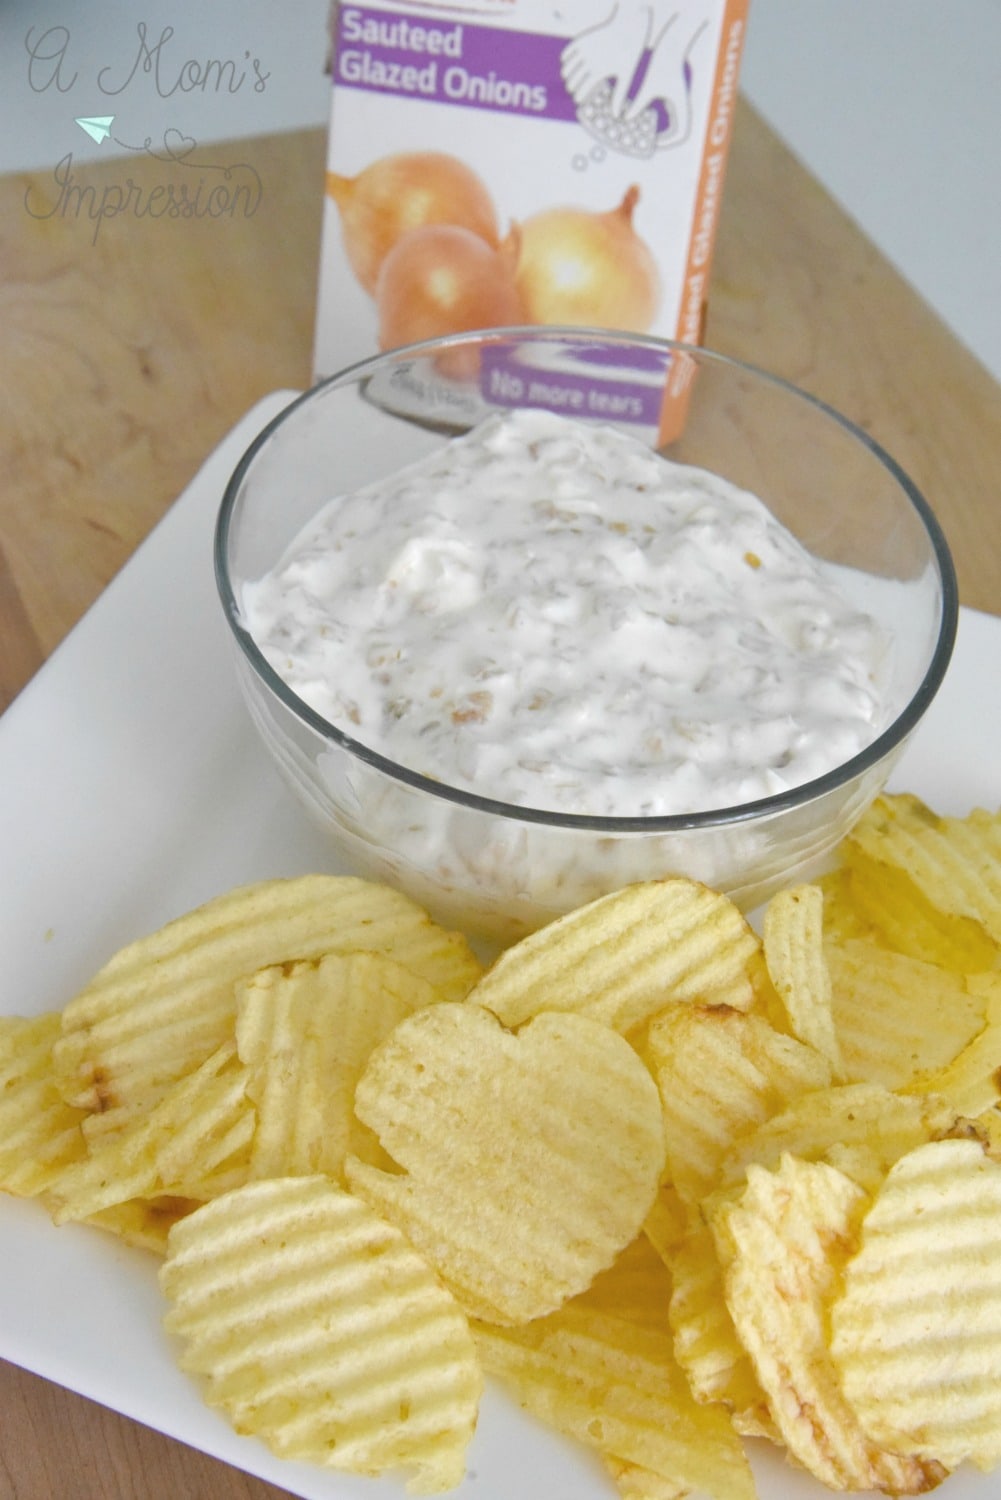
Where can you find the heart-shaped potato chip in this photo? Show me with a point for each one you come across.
(527, 1160)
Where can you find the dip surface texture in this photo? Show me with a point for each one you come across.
(549, 614)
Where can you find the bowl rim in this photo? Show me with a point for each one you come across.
(798, 796)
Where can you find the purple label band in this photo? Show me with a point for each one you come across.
(451, 62)
(621, 395)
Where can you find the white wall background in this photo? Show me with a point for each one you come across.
(894, 104)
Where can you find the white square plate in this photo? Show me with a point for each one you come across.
(132, 788)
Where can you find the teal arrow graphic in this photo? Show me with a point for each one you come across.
(98, 127)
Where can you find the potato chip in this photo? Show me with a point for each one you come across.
(117, 1120)
(972, 1081)
(916, 1333)
(843, 916)
(209, 1152)
(615, 1386)
(989, 1126)
(195, 1143)
(657, 1158)
(782, 1244)
(793, 932)
(719, 1072)
(898, 1017)
(954, 863)
(634, 1483)
(306, 1031)
(636, 1287)
(163, 1004)
(667, 1222)
(860, 1128)
(706, 1345)
(39, 1133)
(316, 1327)
(624, 956)
(144, 1222)
(526, 1162)
(902, 917)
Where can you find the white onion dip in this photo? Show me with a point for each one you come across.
(550, 614)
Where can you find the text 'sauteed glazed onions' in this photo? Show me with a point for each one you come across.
(550, 614)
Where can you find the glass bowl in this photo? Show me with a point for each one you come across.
(496, 870)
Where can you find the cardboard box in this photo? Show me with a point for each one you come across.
(503, 161)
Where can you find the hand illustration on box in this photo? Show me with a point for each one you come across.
(608, 53)
(631, 78)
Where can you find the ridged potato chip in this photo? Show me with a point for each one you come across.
(634, 1483)
(706, 1345)
(989, 1126)
(916, 1331)
(613, 1384)
(305, 1031)
(624, 956)
(843, 916)
(210, 1152)
(782, 1244)
(636, 1287)
(667, 1222)
(40, 1133)
(316, 1327)
(194, 1143)
(526, 1161)
(976, 841)
(164, 1003)
(972, 1081)
(860, 1128)
(144, 1222)
(954, 863)
(897, 1017)
(660, 1161)
(793, 933)
(719, 1072)
(890, 905)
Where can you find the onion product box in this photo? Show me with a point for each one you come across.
(499, 162)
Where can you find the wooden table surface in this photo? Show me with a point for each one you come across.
(127, 354)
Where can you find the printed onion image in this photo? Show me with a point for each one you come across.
(580, 267)
(443, 279)
(398, 194)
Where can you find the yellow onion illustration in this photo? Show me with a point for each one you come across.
(576, 266)
(398, 194)
(442, 279)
